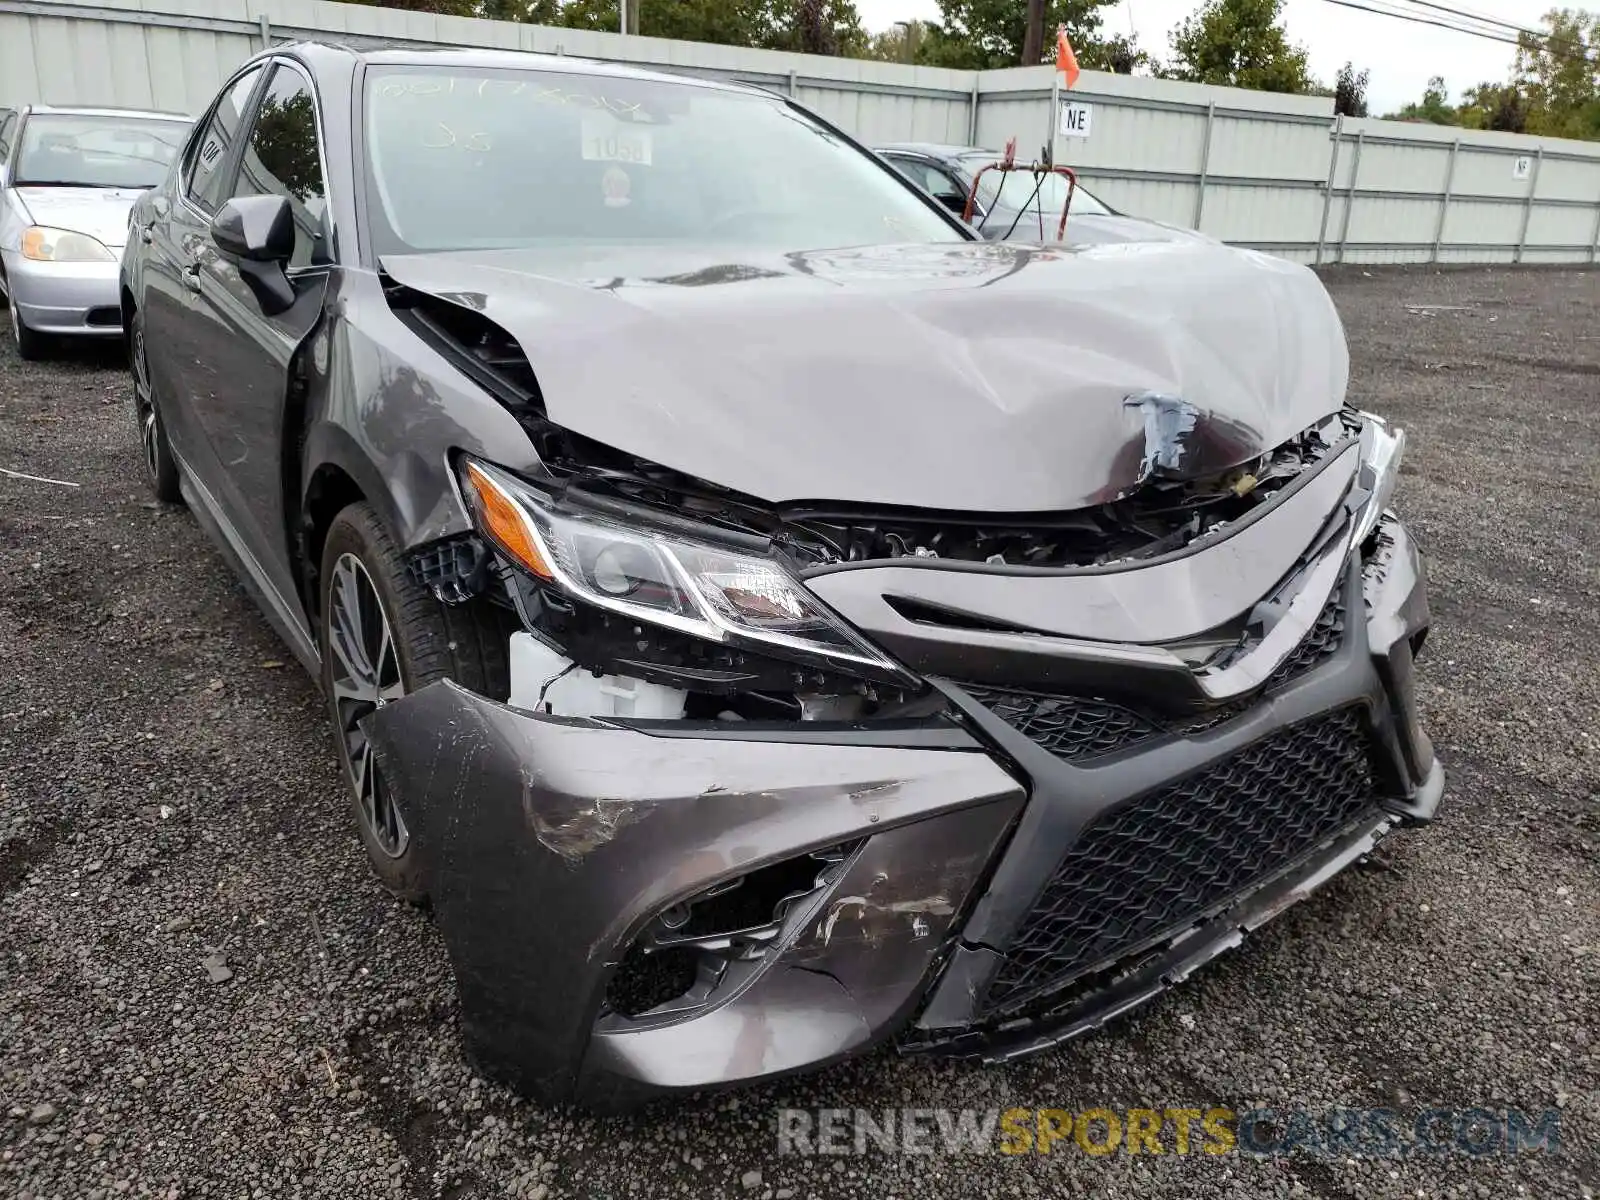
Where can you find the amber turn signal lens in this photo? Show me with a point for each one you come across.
(501, 519)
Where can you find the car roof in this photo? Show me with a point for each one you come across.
(74, 110)
(314, 52)
(933, 149)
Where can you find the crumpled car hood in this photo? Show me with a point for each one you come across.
(971, 376)
(102, 213)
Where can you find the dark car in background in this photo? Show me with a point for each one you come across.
(766, 619)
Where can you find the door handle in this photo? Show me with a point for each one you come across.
(191, 275)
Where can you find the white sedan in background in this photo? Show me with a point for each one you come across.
(68, 177)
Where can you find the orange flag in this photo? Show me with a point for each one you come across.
(1066, 60)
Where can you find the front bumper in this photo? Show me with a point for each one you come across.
(79, 298)
(970, 856)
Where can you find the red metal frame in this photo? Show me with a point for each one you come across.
(1009, 163)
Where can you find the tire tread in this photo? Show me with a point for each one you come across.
(466, 643)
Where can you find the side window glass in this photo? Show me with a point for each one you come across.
(209, 153)
(281, 159)
(942, 183)
(906, 167)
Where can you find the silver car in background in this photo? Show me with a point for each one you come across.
(68, 178)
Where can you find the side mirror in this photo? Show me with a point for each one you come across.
(257, 233)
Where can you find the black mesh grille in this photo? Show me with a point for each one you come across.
(1322, 641)
(1067, 727)
(1156, 864)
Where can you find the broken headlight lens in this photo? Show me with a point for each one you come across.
(697, 588)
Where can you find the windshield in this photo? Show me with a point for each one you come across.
(478, 158)
(1014, 188)
(90, 151)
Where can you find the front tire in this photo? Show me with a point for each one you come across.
(160, 467)
(31, 346)
(384, 636)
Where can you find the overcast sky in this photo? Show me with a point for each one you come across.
(1400, 55)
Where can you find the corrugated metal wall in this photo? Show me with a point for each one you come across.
(1279, 173)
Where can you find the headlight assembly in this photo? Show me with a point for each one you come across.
(43, 244)
(696, 588)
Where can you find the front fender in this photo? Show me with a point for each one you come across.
(390, 412)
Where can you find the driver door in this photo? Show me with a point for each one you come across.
(242, 414)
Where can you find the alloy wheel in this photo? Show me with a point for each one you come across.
(144, 404)
(366, 676)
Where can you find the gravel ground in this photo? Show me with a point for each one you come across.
(170, 813)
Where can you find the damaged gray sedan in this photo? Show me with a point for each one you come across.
(764, 619)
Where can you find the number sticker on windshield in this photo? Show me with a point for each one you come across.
(606, 139)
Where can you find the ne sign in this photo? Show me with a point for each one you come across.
(1075, 119)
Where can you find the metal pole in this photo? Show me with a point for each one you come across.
(1527, 203)
(622, 16)
(1350, 192)
(792, 82)
(1205, 163)
(266, 31)
(972, 114)
(1594, 239)
(1327, 188)
(1055, 111)
(1444, 201)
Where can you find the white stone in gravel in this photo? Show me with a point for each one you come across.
(750, 1180)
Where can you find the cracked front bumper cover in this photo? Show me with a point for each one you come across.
(552, 844)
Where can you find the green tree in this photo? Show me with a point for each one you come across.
(817, 27)
(728, 22)
(1559, 74)
(449, 8)
(1435, 106)
(534, 12)
(985, 34)
(1240, 43)
(805, 26)
(1118, 54)
(1350, 92)
(1500, 106)
(900, 43)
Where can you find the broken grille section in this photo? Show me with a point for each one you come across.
(1322, 641)
(1155, 865)
(1066, 726)
(1075, 728)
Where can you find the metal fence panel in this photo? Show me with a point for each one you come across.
(1279, 173)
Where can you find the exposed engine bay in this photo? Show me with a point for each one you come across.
(589, 662)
